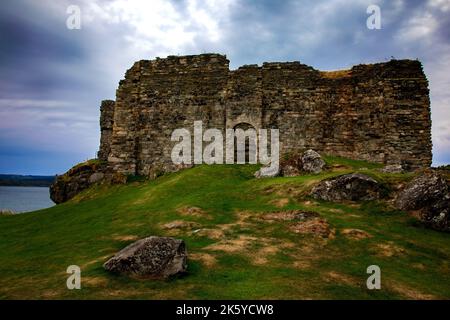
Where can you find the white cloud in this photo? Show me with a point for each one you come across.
(419, 27)
(442, 5)
(159, 26)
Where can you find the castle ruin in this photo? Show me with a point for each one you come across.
(378, 112)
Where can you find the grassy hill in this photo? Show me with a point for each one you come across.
(237, 254)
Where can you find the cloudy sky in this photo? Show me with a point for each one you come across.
(52, 79)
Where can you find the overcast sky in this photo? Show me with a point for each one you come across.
(52, 79)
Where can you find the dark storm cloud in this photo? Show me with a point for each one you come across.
(52, 79)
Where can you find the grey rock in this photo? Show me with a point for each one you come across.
(312, 162)
(353, 187)
(429, 194)
(152, 257)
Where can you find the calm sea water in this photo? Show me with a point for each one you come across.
(24, 199)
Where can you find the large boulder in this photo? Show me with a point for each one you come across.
(312, 162)
(353, 187)
(429, 196)
(152, 257)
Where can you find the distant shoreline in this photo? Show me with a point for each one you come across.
(14, 180)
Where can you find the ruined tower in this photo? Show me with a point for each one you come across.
(378, 112)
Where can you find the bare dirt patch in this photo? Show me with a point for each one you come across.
(409, 292)
(242, 218)
(193, 212)
(302, 264)
(389, 249)
(94, 281)
(309, 203)
(315, 226)
(334, 276)
(97, 260)
(280, 203)
(233, 245)
(290, 215)
(263, 254)
(125, 237)
(336, 210)
(206, 259)
(259, 250)
(215, 234)
(180, 225)
(355, 234)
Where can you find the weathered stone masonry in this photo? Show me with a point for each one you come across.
(378, 112)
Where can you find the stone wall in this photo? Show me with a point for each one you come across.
(378, 112)
(106, 128)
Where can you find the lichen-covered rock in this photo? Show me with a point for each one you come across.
(312, 162)
(152, 257)
(77, 179)
(353, 187)
(429, 194)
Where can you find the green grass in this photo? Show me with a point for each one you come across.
(264, 261)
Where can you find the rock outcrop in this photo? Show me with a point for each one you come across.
(352, 187)
(81, 177)
(152, 257)
(429, 196)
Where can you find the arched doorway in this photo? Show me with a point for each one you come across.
(249, 135)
